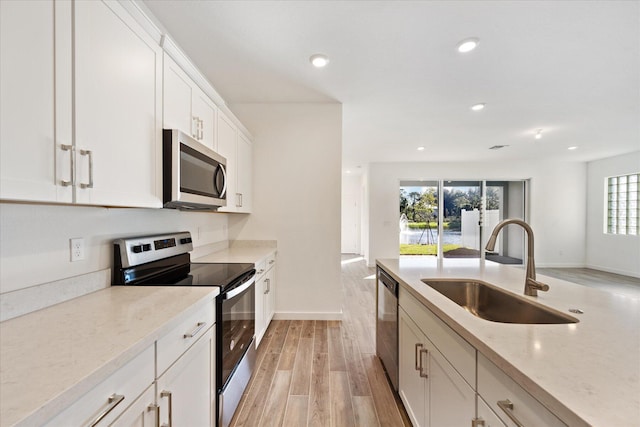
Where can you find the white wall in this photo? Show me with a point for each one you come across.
(34, 239)
(297, 180)
(351, 214)
(613, 253)
(557, 199)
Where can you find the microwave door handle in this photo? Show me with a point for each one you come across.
(224, 178)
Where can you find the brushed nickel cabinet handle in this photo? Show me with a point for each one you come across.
(423, 374)
(89, 154)
(507, 407)
(167, 394)
(114, 400)
(198, 328)
(418, 362)
(69, 148)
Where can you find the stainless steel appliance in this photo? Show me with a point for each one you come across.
(387, 324)
(194, 176)
(164, 260)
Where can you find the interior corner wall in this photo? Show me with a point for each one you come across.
(609, 252)
(297, 152)
(557, 203)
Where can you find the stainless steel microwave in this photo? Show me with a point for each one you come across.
(194, 176)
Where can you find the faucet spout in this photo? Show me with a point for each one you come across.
(531, 285)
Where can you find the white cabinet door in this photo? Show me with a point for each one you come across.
(227, 145)
(260, 324)
(177, 93)
(28, 146)
(142, 413)
(185, 392)
(245, 175)
(452, 402)
(204, 117)
(412, 387)
(117, 104)
(270, 296)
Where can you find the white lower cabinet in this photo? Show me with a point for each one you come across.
(142, 413)
(513, 405)
(265, 295)
(107, 401)
(486, 417)
(433, 392)
(185, 392)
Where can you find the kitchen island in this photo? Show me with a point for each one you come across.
(586, 373)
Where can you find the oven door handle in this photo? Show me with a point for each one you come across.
(240, 289)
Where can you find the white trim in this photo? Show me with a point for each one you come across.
(292, 315)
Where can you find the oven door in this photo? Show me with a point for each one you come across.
(193, 175)
(236, 353)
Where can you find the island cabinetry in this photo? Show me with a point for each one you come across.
(435, 392)
(265, 294)
(185, 392)
(108, 400)
(510, 402)
(186, 107)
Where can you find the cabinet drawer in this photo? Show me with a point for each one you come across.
(180, 338)
(125, 385)
(494, 386)
(454, 348)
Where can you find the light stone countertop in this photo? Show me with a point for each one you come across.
(51, 357)
(586, 373)
(234, 254)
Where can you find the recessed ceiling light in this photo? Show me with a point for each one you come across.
(572, 148)
(478, 107)
(538, 134)
(467, 45)
(319, 60)
(420, 148)
(348, 171)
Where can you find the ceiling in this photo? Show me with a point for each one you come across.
(570, 68)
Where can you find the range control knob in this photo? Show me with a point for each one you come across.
(146, 247)
(185, 240)
(137, 249)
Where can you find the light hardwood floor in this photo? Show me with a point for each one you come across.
(323, 373)
(609, 282)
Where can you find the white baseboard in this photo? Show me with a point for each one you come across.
(614, 271)
(560, 265)
(292, 315)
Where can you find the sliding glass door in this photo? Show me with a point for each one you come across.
(454, 219)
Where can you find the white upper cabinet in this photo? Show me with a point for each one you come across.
(28, 145)
(80, 105)
(117, 104)
(245, 174)
(186, 107)
(237, 149)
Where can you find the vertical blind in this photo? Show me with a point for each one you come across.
(622, 204)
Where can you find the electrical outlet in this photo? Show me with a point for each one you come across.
(77, 249)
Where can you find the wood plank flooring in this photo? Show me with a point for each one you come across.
(605, 281)
(324, 373)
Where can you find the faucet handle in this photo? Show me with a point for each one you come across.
(533, 286)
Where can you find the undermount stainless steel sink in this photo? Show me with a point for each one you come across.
(492, 303)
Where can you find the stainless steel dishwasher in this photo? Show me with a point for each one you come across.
(387, 324)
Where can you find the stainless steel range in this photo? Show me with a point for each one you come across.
(164, 260)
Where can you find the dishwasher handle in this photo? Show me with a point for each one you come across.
(389, 282)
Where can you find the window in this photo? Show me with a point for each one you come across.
(622, 204)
